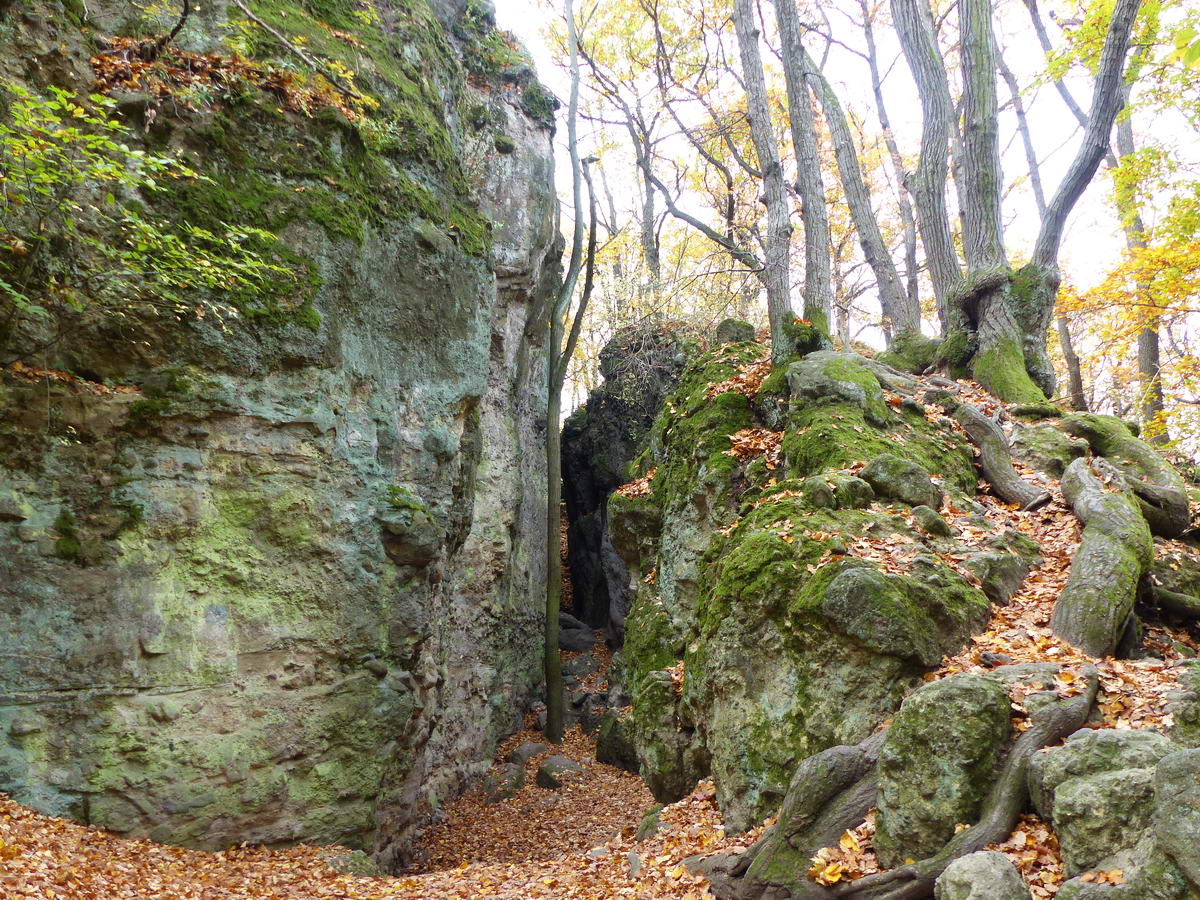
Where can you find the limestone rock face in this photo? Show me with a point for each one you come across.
(1123, 800)
(755, 637)
(288, 589)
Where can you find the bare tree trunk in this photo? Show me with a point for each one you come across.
(920, 47)
(818, 281)
(907, 221)
(778, 237)
(901, 315)
(983, 233)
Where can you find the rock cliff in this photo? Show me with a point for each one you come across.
(278, 577)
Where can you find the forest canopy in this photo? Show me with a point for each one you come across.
(1005, 191)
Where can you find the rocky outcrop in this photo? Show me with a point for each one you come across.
(599, 440)
(284, 583)
(755, 639)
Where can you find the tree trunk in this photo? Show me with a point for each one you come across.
(915, 29)
(1074, 372)
(778, 237)
(818, 279)
(552, 661)
(901, 316)
(1149, 363)
(907, 221)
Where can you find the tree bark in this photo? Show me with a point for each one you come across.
(917, 39)
(1094, 608)
(903, 316)
(778, 237)
(983, 235)
(995, 459)
(907, 221)
(818, 278)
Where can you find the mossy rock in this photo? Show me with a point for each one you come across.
(732, 331)
(1047, 448)
(837, 490)
(937, 764)
(903, 480)
(828, 377)
(910, 352)
(930, 522)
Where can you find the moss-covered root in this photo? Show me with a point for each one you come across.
(831, 792)
(995, 459)
(1001, 809)
(1094, 608)
(1159, 489)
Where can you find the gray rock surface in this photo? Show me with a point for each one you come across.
(556, 770)
(986, 875)
(639, 365)
(903, 480)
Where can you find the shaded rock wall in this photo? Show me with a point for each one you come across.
(289, 588)
(599, 440)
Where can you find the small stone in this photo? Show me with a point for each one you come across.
(598, 853)
(584, 664)
(734, 330)
(553, 772)
(930, 522)
(635, 862)
(986, 875)
(525, 752)
(504, 782)
(376, 667)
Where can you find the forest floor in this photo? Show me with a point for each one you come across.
(579, 841)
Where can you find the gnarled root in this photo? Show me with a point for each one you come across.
(995, 459)
(1000, 812)
(1093, 610)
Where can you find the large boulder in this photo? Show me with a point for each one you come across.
(829, 377)
(1184, 706)
(986, 875)
(1177, 812)
(268, 575)
(937, 763)
(1097, 790)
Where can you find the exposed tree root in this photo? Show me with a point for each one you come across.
(1000, 812)
(1178, 604)
(1094, 608)
(995, 459)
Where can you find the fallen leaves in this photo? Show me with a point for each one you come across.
(750, 443)
(1033, 849)
(853, 856)
(34, 374)
(176, 73)
(639, 487)
(747, 381)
